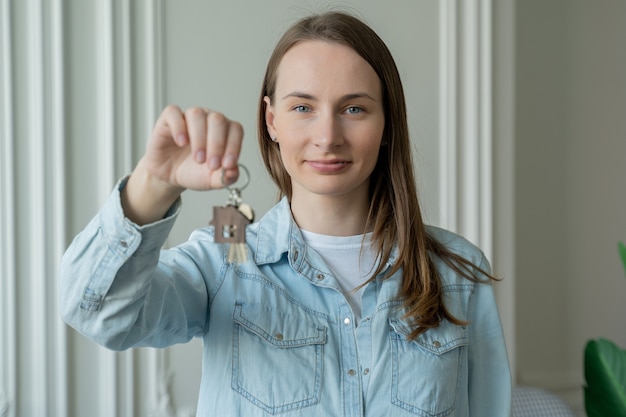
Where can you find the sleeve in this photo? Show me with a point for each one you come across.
(114, 290)
(489, 371)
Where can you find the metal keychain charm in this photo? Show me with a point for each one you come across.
(230, 221)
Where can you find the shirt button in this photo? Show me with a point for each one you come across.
(124, 244)
(295, 256)
(352, 372)
(366, 371)
(278, 336)
(347, 321)
(320, 277)
(436, 344)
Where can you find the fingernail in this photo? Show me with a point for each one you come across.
(230, 176)
(229, 161)
(200, 156)
(214, 162)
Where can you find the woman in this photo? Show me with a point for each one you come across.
(347, 304)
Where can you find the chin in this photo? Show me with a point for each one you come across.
(333, 190)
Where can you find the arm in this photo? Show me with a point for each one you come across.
(489, 373)
(114, 291)
(114, 285)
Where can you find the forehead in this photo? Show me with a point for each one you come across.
(316, 64)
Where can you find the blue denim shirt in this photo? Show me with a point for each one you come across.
(279, 336)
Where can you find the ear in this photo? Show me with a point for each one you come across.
(269, 117)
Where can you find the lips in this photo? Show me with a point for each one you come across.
(328, 166)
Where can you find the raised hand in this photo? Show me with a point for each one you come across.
(196, 149)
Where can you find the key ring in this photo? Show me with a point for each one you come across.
(235, 193)
(231, 187)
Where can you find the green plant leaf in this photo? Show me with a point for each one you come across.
(605, 376)
(622, 253)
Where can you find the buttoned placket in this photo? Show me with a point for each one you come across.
(351, 370)
(353, 398)
(364, 334)
(355, 340)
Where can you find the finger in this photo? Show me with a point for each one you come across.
(232, 150)
(217, 130)
(173, 125)
(195, 118)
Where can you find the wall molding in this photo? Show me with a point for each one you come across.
(59, 198)
(8, 274)
(474, 202)
(105, 43)
(448, 114)
(33, 362)
(465, 120)
(37, 163)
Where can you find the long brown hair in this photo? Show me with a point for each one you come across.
(394, 213)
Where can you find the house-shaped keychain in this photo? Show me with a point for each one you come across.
(230, 224)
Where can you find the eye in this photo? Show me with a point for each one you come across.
(354, 110)
(301, 108)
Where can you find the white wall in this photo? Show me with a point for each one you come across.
(570, 189)
(226, 47)
(81, 84)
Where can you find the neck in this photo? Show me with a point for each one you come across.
(330, 215)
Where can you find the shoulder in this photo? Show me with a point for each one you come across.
(460, 246)
(457, 244)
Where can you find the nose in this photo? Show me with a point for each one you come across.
(328, 133)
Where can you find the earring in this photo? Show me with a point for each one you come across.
(274, 138)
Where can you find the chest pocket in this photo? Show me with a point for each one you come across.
(277, 358)
(426, 372)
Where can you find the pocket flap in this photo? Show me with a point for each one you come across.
(437, 340)
(279, 329)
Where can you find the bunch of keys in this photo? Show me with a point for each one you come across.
(231, 220)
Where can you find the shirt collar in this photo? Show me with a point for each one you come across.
(277, 233)
(274, 233)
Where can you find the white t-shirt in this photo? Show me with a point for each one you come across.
(350, 265)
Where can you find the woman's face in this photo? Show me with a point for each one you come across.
(328, 118)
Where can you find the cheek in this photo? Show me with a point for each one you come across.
(373, 149)
(291, 140)
(287, 154)
(292, 130)
(372, 139)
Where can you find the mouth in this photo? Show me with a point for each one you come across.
(330, 165)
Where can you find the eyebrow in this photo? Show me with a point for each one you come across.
(307, 96)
